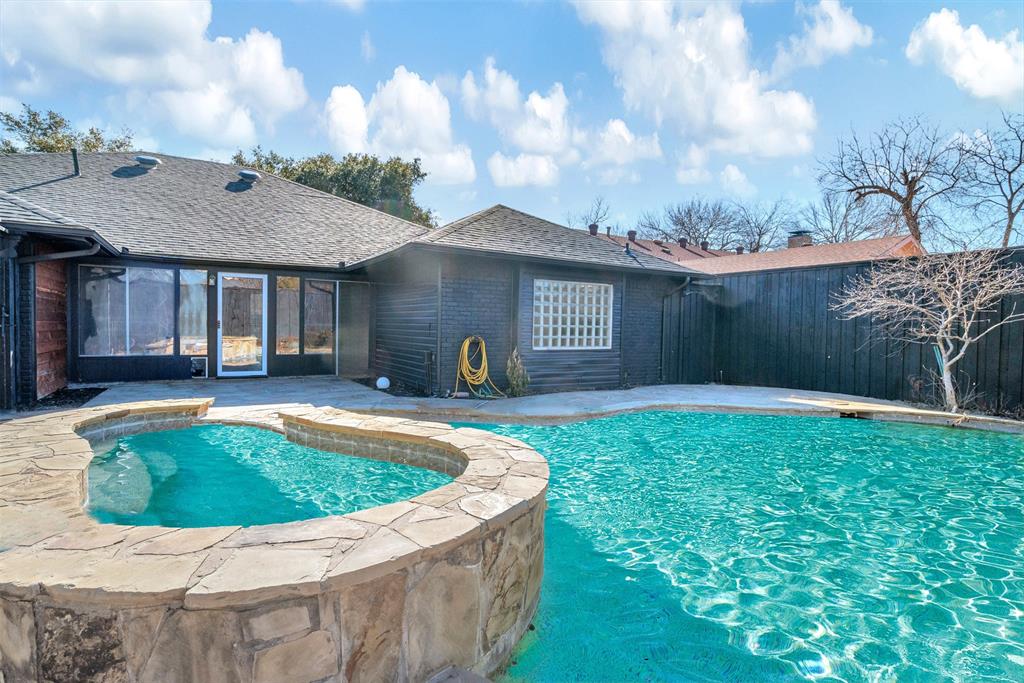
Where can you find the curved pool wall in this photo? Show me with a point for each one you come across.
(395, 592)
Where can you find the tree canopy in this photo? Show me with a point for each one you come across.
(384, 185)
(51, 132)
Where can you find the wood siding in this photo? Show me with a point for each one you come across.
(406, 323)
(775, 329)
(51, 324)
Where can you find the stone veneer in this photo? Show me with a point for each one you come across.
(396, 592)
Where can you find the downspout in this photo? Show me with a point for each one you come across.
(667, 336)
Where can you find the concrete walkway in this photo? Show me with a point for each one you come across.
(544, 408)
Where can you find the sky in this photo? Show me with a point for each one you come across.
(538, 105)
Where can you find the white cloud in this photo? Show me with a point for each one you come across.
(366, 48)
(407, 117)
(691, 169)
(987, 68)
(617, 144)
(618, 175)
(831, 29)
(219, 91)
(735, 182)
(538, 124)
(690, 66)
(524, 169)
(354, 5)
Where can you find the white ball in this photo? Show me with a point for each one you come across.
(383, 383)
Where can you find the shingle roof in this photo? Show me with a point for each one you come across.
(666, 249)
(814, 255)
(17, 210)
(191, 209)
(502, 230)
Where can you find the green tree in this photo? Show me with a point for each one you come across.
(364, 178)
(51, 132)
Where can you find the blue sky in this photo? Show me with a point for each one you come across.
(539, 105)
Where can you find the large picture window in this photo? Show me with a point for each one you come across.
(287, 315)
(102, 294)
(150, 312)
(319, 319)
(192, 312)
(572, 315)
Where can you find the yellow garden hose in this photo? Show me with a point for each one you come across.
(478, 379)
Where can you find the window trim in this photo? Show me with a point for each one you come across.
(607, 310)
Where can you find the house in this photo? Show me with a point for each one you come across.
(124, 266)
(801, 252)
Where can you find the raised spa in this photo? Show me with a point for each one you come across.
(215, 475)
(709, 547)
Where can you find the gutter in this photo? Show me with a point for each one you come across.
(61, 255)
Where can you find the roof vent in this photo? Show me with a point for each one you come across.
(148, 162)
(248, 176)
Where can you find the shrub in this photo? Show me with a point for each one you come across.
(518, 379)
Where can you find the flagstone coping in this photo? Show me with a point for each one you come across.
(50, 547)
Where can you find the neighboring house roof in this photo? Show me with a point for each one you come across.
(665, 249)
(505, 231)
(813, 255)
(191, 209)
(16, 210)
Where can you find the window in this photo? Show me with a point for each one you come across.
(319, 323)
(572, 315)
(102, 294)
(192, 312)
(287, 315)
(150, 312)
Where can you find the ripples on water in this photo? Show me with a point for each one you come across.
(216, 475)
(687, 546)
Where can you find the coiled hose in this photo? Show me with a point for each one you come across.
(477, 379)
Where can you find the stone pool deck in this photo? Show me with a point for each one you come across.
(396, 592)
(264, 395)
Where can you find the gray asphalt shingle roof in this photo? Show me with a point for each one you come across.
(502, 230)
(17, 210)
(193, 209)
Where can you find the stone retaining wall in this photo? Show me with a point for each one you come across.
(396, 592)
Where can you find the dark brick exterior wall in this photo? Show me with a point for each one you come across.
(25, 366)
(405, 321)
(476, 299)
(641, 329)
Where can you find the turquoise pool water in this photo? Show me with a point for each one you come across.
(215, 475)
(699, 547)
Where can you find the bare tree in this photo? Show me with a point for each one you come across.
(948, 300)
(839, 217)
(759, 227)
(994, 187)
(697, 220)
(908, 165)
(597, 212)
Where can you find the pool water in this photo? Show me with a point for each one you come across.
(214, 475)
(701, 547)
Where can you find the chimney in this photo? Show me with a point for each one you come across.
(593, 229)
(739, 250)
(683, 242)
(74, 161)
(704, 245)
(631, 235)
(799, 238)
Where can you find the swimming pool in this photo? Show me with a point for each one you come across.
(216, 475)
(709, 547)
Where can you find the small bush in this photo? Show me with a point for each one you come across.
(518, 379)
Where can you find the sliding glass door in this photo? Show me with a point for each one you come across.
(241, 324)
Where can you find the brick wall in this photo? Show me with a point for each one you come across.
(476, 299)
(51, 330)
(641, 329)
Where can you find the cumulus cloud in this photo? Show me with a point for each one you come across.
(735, 182)
(407, 117)
(690, 66)
(691, 169)
(986, 68)
(617, 144)
(829, 29)
(537, 124)
(220, 91)
(522, 170)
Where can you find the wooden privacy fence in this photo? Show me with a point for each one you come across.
(775, 328)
